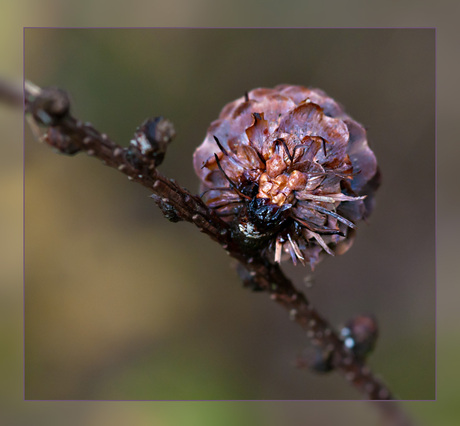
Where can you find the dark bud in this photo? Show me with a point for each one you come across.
(50, 106)
(360, 335)
(317, 360)
(167, 209)
(152, 138)
(248, 279)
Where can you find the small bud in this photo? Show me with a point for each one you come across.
(167, 209)
(50, 106)
(360, 334)
(152, 138)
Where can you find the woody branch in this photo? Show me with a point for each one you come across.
(50, 110)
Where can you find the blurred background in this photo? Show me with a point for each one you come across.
(120, 304)
(107, 316)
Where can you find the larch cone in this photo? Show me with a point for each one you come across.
(290, 170)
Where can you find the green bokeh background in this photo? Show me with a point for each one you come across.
(444, 411)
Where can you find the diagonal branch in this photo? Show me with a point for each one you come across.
(49, 108)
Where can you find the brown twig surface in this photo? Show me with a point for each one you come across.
(49, 108)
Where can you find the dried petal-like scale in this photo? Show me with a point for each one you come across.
(290, 170)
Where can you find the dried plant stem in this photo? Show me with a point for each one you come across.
(70, 135)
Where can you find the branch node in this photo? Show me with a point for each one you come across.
(152, 138)
(360, 335)
(50, 106)
(167, 208)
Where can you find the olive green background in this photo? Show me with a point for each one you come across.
(103, 310)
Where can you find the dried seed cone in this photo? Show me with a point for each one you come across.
(291, 170)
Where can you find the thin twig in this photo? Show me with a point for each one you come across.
(50, 109)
